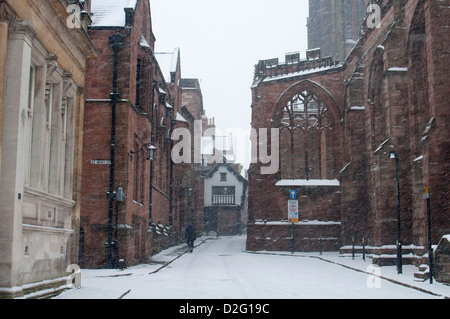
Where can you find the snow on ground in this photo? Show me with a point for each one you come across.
(220, 268)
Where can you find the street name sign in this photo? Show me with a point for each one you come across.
(100, 162)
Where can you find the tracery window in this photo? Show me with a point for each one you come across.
(305, 127)
(378, 114)
(418, 59)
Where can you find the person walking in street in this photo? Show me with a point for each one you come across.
(190, 236)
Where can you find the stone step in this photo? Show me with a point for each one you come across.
(391, 260)
(423, 268)
(45, 289)
(423, 274)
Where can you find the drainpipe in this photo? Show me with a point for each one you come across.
(150, 187)
(116, 41)
(152, 138)
(172, 124)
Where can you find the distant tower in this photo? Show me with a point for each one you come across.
(334, 25)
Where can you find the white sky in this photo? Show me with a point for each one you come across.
(221, 41)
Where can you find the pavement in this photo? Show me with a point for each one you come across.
(95, 283)
(389, 273)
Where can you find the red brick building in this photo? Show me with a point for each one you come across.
(189, 188)
(338, 123)
(129, 199)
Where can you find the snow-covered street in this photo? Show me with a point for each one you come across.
(220, 268)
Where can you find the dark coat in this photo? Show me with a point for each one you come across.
(190, 233)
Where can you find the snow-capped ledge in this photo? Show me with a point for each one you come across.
(302, 222)
(309, 182)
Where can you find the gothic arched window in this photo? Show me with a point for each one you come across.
(378, 114)
(305, 139)
(420, 110)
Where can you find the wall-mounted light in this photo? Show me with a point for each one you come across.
(151, 152)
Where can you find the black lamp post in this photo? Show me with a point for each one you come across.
(426, 195)
(394, 155)
(150, 156)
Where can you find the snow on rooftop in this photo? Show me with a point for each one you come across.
(180, 118)
(168, 63)
(306, 72)
(110, 13)
(143, 42)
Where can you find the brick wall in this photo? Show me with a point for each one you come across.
(134, 128)
(386, 96)
(442, 260)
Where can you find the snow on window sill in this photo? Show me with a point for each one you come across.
(310, 182)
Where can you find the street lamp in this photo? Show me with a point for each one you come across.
(151, 152)
(394, 155)
(151, 156)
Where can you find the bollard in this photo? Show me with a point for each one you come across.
(364, 249)
(353, 248)
(121, 264)
(320, 246)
